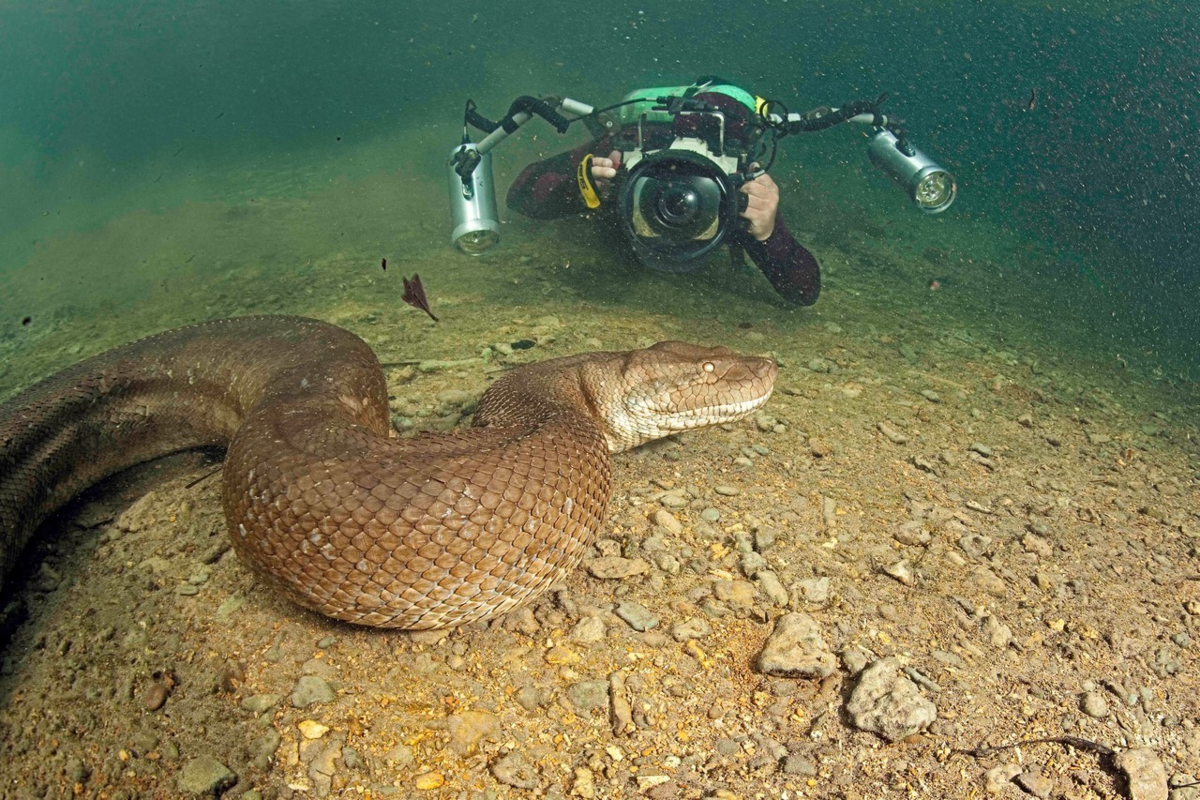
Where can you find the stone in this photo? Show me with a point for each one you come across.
(205, 775)
(636, 615)
(310, 690)
(1147, 776)
(617, 568)
(813, 590)
(796, 649)
(588, 695)
(1094, 705)
(889, 704)
(470, 728)
(514, 769)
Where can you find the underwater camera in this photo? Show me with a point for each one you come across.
(686, 152)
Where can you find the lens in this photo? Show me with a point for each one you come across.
(934, 191)
(678, 204)
(474, 243)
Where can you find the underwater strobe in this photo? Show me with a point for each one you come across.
(929, 186)
(472, 200)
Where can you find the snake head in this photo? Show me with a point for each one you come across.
(676, 386)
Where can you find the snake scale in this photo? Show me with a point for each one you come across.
(324, 501)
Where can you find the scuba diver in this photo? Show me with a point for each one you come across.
(578, 182)
(679, 171)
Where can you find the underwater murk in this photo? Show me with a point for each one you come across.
(953, 553)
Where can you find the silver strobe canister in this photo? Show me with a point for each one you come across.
(928, 185)
(473, 205)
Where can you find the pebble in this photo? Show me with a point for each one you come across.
(887, 703)
(931, 395)
(1036, 545)
(710, 515)
(769, 585)
(667, 520)
(311, 729)
(998, 780)
(902, 572)
(616, 567)
(259, 703)
(427, 781)
(1094, 705)
(470, 728)
(798, 765)
(310, 690)
(514, 769)
(813, 590)
(736, 593)
(1034, 782)
(622, 712)
(1147, 776)
(588, 695)
(694, 628)
(637, 616)
(588, 630)
(892, 434)
(727, 491)
(584, 785)
(155, 696)
(796, 649)
(205, 775)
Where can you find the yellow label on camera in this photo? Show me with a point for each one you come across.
(587, 189)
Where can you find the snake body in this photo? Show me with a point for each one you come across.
(323, 500)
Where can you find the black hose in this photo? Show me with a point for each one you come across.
(525, 103)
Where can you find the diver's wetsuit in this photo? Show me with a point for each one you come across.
(548, 190)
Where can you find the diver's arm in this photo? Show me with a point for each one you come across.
(788, 265)
(548, 189)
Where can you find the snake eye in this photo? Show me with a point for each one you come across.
(709, 366)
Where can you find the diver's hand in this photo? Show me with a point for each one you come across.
(604, 170)
(762, 195)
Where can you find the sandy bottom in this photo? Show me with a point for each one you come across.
(1008, 512)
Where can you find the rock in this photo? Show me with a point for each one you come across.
(470, 728)
(310, 690)
(798, 765)
(636, 615)
(617, 568)
(694, 628)
(768, 583)
(1094, 705)
(998, 780)
(584, 785)
(892, 434)
(514, 769)
(257, 704)
(727, 491)
(999, 634)
(1147, 776)
(667, 520)
(588, 695)
(205, 775)
(587, 630)
(1034, 782)
(813, 590)
(796, 649)
(311, 729)
(739, 594)
(902, 572)
(887, 703)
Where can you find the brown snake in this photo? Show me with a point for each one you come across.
(324, 501)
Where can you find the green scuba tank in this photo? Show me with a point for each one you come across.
(629, 114)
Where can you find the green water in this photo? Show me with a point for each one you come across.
(168, 162)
